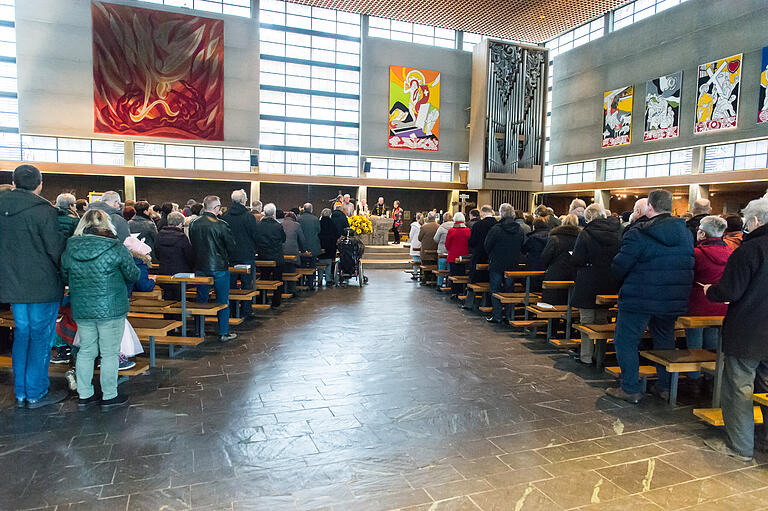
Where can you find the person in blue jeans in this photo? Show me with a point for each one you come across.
(655, 263)
(31, 283)
(213, 246)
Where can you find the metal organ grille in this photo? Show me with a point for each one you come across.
(516, 108)
(519, 199)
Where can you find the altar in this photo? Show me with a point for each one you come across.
(381, 227)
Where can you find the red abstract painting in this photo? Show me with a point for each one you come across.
(157, 74)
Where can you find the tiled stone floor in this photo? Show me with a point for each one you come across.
(387, 397)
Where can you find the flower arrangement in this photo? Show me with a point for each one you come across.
(361, 224)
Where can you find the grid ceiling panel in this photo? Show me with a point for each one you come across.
(521, 20)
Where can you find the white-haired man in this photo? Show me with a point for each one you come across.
(110, 204)
(244, 229)
(270, 248)
(68, 219)
(346, 206)
(743, 285)
(213, 246)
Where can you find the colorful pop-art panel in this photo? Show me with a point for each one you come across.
(662, 107)
(414, 109)
(717, 95)
(762, 97)
(617, 117)
(157, 74)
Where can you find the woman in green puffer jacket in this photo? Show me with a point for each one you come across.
(97, 268)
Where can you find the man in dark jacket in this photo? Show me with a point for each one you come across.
(244, 229)
(174, 254)
(502, 244)
(339, 218)
(67, 215)
(476, 244)
(655, 263)
(110, 204)
(213, 246)
(270, 248)
(310, 225)
(743, 284)
(30, 281)
(701, 209)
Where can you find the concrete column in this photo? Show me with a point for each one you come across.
(697, 163)
(255, 192)
(483, 197)
(697, 192)
(603, 197)
(129, 187)
(362, 193)
(453, 197)
(128, 153)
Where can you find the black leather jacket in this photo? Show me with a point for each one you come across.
(271, 237)
(212, 243)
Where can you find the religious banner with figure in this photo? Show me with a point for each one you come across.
(762, 97)
(414, 109)
(662, 107)
(157, 73)
(617, 117)
(717, 95)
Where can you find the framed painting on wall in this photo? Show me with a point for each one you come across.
(157, 73)
(662, 107)
(717, 95)
(762, 96)
(617, 117)
(414, 109)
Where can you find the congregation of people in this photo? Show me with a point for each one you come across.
(660, 266)
(101, 252)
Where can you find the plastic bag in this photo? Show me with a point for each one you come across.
(129, 345)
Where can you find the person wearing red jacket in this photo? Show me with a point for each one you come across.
(711, 254)
(457, 245)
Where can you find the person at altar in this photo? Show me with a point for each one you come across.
(362, 208)
(379, 209)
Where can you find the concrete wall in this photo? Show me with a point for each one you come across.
(455, 67)
(682, 37)
(56, 71)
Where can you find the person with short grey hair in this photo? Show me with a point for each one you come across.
(214, 248)
(503, 245)
(743, 286)
(478, 233)
(269, 247)
(712, 227)
(110, 204)
(596, 246)
(426, 237)
(244, 231)
(310, 226)
(67, 214)
(701, 208)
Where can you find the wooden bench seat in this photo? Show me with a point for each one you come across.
(6, 319)
(290, 277)
(198, 309)
(678, 361)
(264, 264)
(528, 323)
(485, 309)
(286, 296)
(480, 287)
(181, 341)
(459, 279)
(442, 273)
(232, 320)
(151, 305)
(556, 312)
(714, 416)
(155, 294)
(565, 343)
(267, 285)
(481, 266)
(645, 373)
(507, 298)
(242, 294)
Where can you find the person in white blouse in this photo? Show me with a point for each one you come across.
(413, 239)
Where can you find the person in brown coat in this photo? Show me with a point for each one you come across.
(427, 239)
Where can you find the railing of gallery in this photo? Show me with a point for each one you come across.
(516, 107)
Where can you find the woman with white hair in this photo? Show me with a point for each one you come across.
(711, 255)
(596, 246)
(457, 245)
(743, 286)
(98, 267)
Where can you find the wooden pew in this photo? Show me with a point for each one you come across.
(528, 276)
(183, 281)
(150, 329)
(676, 362)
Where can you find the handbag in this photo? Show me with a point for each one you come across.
(66, 327)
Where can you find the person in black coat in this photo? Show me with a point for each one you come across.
(655, 263)
(244, 229)
(476, 244)
(743, 285)
(174, 254)
(556, 257)
(269, 246)
(533, 246)
(502, 244)
(328, 237)
(339, 219)
(595, 248)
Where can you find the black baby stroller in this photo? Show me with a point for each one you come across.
(350, 263)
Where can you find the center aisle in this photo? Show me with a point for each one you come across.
(374, 398)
